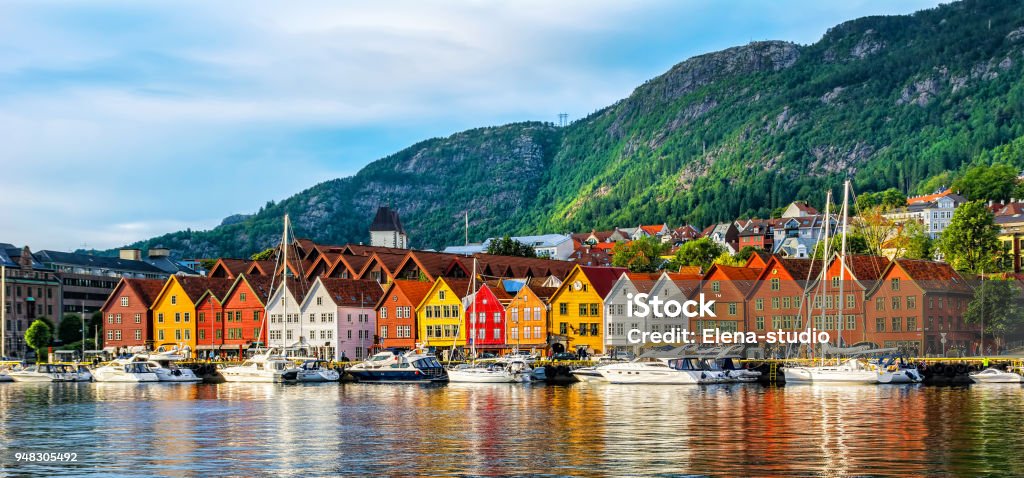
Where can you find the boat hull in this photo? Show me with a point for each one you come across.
(809, 375)
(107, 377)
(652, 377)
(318, 376)
(27, 377)
(996, 377)
(396, 376)
(464, 376)
(588, 375)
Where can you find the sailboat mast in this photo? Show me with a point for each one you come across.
(823, 286)
(284, 278)
(3, 311)
(842, 260)
(472, 308)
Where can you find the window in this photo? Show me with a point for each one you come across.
(896, 303)
(911, 302)
(201, 334)
(563, 309)
(497, 334)
(895, 283)
(188, 316)
(775, 283)
(241, 297)
(563, 328)
(138, 318)
(583, 310)
(350, 334)
(880, 303)
(786, 303)
(497, 317)
(201, 317)
(319, 301)
(256, 315)
(759, 304)
(716, 286)
(776, 322)
(383, 331)
(851, 322)
(911, 324)
(384, 312)
(536, 332)
(177, 334)
(440, 295)
(174, 300)
(583, 330)
(835, 282)
(312, 318)
(897, 324)
(110, 335)
(851, 301)
(595, 329)
(177, 316)
(732, 308)
(595, 310)
(217, 317)
(160, 317)
(775, 302)
(138, 334)
(759, 323)
(110, 318)
(880, 324)
(124, 301)
(160, 335)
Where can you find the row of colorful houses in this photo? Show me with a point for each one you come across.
(911, 304)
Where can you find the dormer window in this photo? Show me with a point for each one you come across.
(174, 300)
(124, 301)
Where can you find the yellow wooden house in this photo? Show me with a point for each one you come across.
(440, 316)
(174, 310)
(577, 311)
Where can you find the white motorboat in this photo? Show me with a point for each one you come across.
(894, 369)
(649, 371)
(46, 372)
(264, 367)
(163, 364)
(851, 371)
(513, 370)
(393, 366)
(125, 371)
(993, 375)
(316, 371)
(75, 372)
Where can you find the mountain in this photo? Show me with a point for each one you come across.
(889, 101)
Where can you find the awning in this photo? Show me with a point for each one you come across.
(232, 346)
(207, 347)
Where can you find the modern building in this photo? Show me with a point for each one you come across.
(88, 280)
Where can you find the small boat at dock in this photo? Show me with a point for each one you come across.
(994, 375)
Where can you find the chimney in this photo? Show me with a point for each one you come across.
(130, 254)
(159, 252)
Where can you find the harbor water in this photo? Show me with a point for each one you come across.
(500, 429)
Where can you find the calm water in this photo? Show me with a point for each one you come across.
(583, 429)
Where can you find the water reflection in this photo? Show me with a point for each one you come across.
(500, 429)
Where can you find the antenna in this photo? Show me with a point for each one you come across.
(563, 119)
(467, 228)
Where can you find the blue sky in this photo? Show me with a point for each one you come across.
(122, 120)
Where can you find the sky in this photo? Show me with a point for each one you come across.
(123, 120)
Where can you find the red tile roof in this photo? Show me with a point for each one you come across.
(602, 278)
(353, 292)
(928, 197)
(652, 230)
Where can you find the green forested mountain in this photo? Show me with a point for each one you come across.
(889, 101)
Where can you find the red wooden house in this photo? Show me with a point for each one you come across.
(209, 312)
(126, 313)
(485, 317)
(396, 313)
(774, 301)
(244, 313)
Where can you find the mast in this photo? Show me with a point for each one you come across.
(842, 261)
(284, 281)
(472, 307)
(823, 287)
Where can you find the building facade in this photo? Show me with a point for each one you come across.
(30, 290)
(396, 313)
(127, 318)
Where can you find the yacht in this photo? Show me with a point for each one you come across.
(316, 371)
(649, 371)
(75, 372)
(895, 369)
(514, 370)
(126, 371)
(851, 371)
(263, 367)
(723, 360)
(993, 375)
(41, 373)
(588, 374)
(164, 366)
(397, 366)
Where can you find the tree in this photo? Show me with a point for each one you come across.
(744, 254)
(855, 244)
(95, 327)
(971, 239)
(984, 182)
(997, 303)
(920, 246)
(48, 321)
(727, 259)
(38, 336)
(264, 255)
(207, 263)
(876, 229)
(889, 199)
(641, 255)
(507, 246)
(70, 329)
(700, 252)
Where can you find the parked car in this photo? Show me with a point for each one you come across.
(563, 356)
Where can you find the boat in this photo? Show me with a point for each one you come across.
(395, 366)
(894, 369)
(126, 371)
(851, 371)
(513, 370)
(266, 367)
(994, 375)
(46, 372)
(723, 360)
(75, 372)
(163, 364)
(650, 371)
(315, 371)
(588, 374)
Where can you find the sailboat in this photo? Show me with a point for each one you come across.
(271, 365)
(852, 370)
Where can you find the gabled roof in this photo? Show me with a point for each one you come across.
(601, 278)
(260, 286)
(88, 260)
(933, 276)
(229, 268)
(432, 264)
(927, 198)
(214, 287)
(542, 293)
(352, 292)
(413, 290)
(743, 278)
(798, 268)
(146, 289)
(653, 230)
(265, 268)
(865, 267)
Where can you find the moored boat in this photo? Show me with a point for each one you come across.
(125, 371)
(502, 371)
(394, 366)
(316, 371)
(165, 367)
(851, 371)
(265, 367)
(993, 375)
(40, 373)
